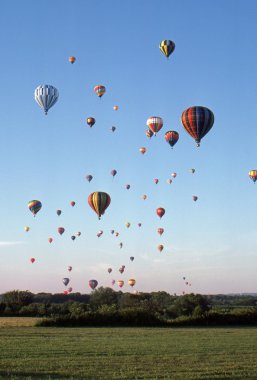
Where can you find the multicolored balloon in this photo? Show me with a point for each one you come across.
(72, 59)
(167, 47)
(120, 283)
(253, 175)
(99, 90)
(99, 201)
(154, 123)
(113, 172)
(194, 197)
(34, 206)
(46, 96)
(171, 137)
(69, 268)
(149, 133)
(197, 121)
(26, 229)
(115, 108)
(156, 181)
(72, 203)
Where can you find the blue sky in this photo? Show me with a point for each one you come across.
(213, 241)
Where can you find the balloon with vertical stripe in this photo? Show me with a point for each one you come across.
(197, 121)
(34, 206)
(46, 96)
(99, 201)
(167, 47)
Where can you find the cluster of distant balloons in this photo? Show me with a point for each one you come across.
(197, 121)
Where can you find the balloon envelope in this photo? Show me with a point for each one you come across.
(171, 137)
(197, 121)
(99, 201)
(34, 206)
(253, 175)
(167, 47)
(61, 230)
(99, 90)
(160, 211)
(65, 281)
(93, 284)
(90, 121)
(154, 123)
(46, 96)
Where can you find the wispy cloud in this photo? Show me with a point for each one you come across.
(9, 243)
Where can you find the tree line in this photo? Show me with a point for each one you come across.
(106, 307)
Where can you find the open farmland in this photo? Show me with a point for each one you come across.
(128, 353)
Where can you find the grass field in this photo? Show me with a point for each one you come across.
(128, 353)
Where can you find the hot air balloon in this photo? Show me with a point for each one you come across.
(32, 260)
(78, 233)
(65, 281)
(99, 233)
(120, 283)
(34, 206)
(99, 201)
(72, 203)
(142, 150)
(89, 177)
(187, 283)
(160, 231)
(121, 245)
(72, 59)
(194, 197)
(160, 247)
(70, 289)
(128, 225)
(109, 270)
(73, 237)
(154, 123)
(46, 96)
(156, 181)
(174, 175)
(99, 90)
(116, 234)
(58, 212)
(132, 258)
(149, 133)
(121, 270)
(139, 224)
(197, 121)
(144, 197)
(169, 181)
(112, 232)
(115, 108)
(113, 282)
(167, 47)
(26, 229)
(60, 230)
(253, 175)
(92, 284)
(192, 171)
(127, 187)
(50, 240)
(184, 278)
(160, 211)
(113, 172)
(171, 137)
(131, 282)
(69, 268)
(123, 266)
(90, 121)
(113, 129)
